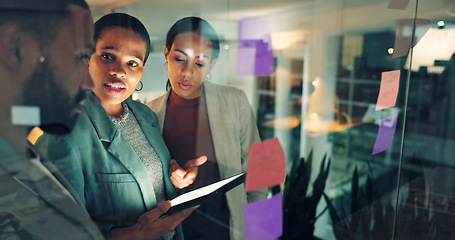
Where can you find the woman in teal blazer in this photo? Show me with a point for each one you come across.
(115, 156)
(106, 173)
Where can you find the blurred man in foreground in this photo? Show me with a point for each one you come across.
(44, 48)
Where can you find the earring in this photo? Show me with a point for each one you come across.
(41, 59)
(142, 86)
(208, 76)
(165, 66)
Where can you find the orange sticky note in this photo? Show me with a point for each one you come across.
(388, 92)
(266, 165)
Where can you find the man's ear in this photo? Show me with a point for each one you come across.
(11, 52)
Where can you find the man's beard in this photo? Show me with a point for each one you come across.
(57, 109)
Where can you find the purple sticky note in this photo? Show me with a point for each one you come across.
(264, 58)
(253, 28)
(386, 131)
(246, 59)
(255, 52)
(405, 32)
(264, 219)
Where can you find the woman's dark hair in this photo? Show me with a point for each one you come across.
(125, 21)
(193, 25)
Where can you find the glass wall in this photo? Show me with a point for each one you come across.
(360, 92)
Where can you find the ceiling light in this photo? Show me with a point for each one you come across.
(390, 51)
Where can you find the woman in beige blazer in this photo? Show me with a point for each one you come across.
(198, 117)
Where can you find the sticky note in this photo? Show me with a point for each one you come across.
(388, 91)
(264, 219)
(266, 165)
(245, 59)
(386, 131)
(406, 36)
(264, 58)
(398, 4)
(25, 115)
(255, 52)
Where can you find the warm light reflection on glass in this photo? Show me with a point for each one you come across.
(284, 123)
(314, 116)
(315, 83)
(34, 134)
(436, 45)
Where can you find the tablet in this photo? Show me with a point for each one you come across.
(203, 194)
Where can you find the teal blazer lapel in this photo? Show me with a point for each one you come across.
(134, 165)
(119, 148)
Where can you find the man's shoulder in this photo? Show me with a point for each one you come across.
(44, 211)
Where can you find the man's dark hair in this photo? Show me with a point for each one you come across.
(125, 21)
(42, 18)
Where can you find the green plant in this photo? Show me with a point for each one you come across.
(355, 223)
(299, 208)
(369, 218)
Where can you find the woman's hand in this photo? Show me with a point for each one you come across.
(151, 225)
(183, 177)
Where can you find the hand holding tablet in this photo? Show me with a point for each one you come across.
(203, 194)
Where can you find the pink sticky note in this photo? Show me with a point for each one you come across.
(388, 92)
(407, 36)
(264, 219)
(266, 165)
(398, 4)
